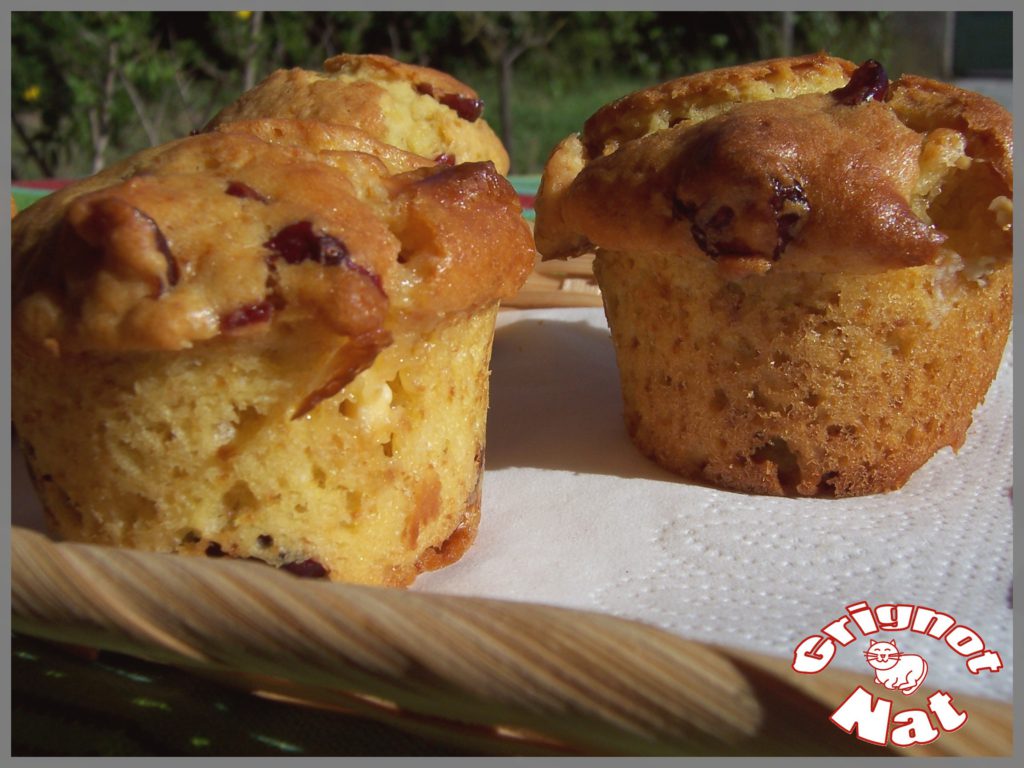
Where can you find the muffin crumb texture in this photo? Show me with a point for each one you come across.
(366, 485)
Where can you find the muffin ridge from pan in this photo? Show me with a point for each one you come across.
(807, 269)
(270, 341)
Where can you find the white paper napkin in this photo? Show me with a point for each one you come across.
(573, 515)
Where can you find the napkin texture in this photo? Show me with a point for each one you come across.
(573, 515)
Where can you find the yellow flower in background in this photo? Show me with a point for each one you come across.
(243, 15)
(32, 93)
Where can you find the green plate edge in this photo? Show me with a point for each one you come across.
(25, 196)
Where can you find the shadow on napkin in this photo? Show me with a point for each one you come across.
(556, 402)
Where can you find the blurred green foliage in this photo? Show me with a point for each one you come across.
(853, 36)
(89, 87)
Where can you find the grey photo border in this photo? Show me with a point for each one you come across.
(436, 5)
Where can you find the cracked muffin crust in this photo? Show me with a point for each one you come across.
(420, 109)
(806, 268)
(266, 341)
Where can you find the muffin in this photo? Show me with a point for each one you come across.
(419, 109)
(266, 342)
(806, 269)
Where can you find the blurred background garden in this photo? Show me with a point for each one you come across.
(91, 87)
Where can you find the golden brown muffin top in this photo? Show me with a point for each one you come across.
(323, 138)
(226, 234)
(418, 109)
(802, 164)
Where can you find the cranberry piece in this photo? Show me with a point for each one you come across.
(467, 107)
(793, 193)
(238, 189)
(173, 274)
(868, 82)
(298, 242)
(214, 550)
(684, 209)
(445, 158)
(253, 313)
(307, 569)
(709, 235)
(721, 218)
(786, 222)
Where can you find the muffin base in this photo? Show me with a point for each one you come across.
(198, 451)
(801, 384)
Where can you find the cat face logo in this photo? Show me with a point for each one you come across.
(896, 671)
